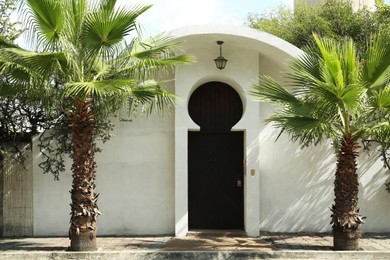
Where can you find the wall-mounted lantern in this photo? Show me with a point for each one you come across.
(220, 61)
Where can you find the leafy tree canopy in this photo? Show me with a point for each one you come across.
(334, 19)
(9, 29)
(21, 113)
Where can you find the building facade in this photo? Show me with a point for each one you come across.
(212, 163)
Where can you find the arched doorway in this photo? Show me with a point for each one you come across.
(215, 159)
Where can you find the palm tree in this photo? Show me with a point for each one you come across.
(82, 54)
(340, 95)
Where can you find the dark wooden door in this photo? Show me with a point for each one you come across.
(215, 180)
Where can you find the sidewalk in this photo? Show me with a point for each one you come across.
(199, 245)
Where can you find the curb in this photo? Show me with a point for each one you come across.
(199, 255)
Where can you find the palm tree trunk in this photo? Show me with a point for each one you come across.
(346, 219)
(84, 212)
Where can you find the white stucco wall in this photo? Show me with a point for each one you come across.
(297, 187)
(374, 198)
(51, 199)
(135, 179)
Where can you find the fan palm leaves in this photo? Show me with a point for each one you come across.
(80, 47)
(340, 94)
(23, 108)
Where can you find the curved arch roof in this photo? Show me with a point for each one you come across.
(237, 36)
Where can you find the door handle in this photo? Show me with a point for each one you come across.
(239, 183)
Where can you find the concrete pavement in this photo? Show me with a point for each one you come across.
(199, 245)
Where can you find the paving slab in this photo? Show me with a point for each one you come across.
(199, 245)
(324, 241)
(217, 241)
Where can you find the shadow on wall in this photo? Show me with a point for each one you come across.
(374, 198)
(296, 186)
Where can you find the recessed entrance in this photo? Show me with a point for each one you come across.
(215, 159)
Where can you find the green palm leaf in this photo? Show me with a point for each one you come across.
(99, 89)
(5, 43)
(103, 30)
(380, 133)
(149, 97)
(376, 66)
(46, 17)
(305, 130)
(144, 59)
(294, 124)
(331, 70)
(305, 71)
(269, 90)
(107, 5)
(381, 100)
(349, 64)
(351, 97)
(40, 63)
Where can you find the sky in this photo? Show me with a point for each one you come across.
(166, 15)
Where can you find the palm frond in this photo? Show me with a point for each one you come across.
(381, 100)
(143, 69)
(294, 124)
(328, 98)
(380, 132)
(331, 69)
(305, 130)
(107, 5)
(105, 29)
(9, 89)
(75, 20)
(150, 58)
(97, 90)
(377, 63)
(153, 47)
(42, 64)
(149, 97)
(305, 70)
(349, 64)
(46, 18)
(5, 43)
(351, 97)
(269, 90)
(14, 72)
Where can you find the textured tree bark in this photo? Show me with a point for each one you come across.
(84, 210)
(345, 218)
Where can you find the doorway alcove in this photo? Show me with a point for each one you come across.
(215, 159)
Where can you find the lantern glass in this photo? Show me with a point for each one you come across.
(220, 62)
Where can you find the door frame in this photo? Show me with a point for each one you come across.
(249, 123)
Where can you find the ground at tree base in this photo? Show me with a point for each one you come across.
(202, 241)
